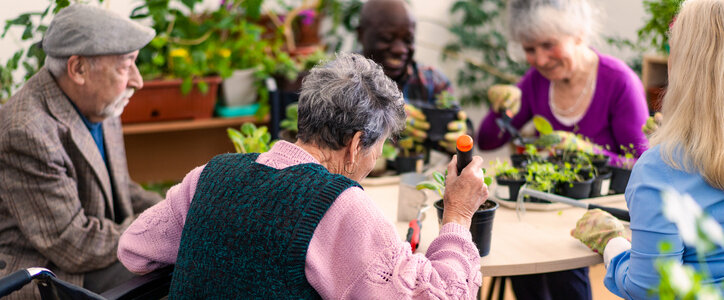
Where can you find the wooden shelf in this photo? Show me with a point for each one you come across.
(166, 151)
(654, 76)
(158, 127)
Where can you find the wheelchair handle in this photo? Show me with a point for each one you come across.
(14, 282)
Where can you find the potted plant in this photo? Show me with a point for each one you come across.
(481, 224)
(541, 176)
(622, 170)
(444, 111)
(410, 155)
(250, 139)
(509, 180)
(575, 181)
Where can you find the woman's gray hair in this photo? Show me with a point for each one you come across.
(347, 95)
(532, 20)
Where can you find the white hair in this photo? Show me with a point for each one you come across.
(56, 65)
(532, 20)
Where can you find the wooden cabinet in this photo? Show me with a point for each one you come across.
(166, 151)
(654, 75)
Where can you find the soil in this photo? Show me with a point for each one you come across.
(487, 205)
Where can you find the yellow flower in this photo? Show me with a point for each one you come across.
(225, 53)
(179, 52)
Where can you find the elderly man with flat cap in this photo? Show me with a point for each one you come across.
(387, 34)
(65, 192)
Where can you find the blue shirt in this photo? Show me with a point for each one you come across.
(96, 131)
(631, 274)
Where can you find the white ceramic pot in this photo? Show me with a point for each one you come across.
(239, 89)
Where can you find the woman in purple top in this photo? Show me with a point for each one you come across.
(576, 89)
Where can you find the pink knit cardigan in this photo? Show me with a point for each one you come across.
(354, 252)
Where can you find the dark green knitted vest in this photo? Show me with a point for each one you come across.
(248, 229)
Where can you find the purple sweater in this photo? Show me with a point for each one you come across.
(614, 117)
(355, 253)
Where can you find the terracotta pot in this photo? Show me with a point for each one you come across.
(162, 100)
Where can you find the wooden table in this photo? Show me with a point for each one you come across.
(538, 242)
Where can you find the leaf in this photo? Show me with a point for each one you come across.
(488, 180)
(186, 85)
(542, 125)
(248, 129)
(439, 178)
(429, 185)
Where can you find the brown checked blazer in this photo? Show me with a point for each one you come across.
(56, 194)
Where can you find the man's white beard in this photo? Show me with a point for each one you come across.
(115, 109)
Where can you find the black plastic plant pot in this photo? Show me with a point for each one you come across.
(619, 179)
(513, 187)
(600, 161)
(409, 163)
(601, 185)
(438, 119)
(576, 190)
(519, 160)
(481, 225)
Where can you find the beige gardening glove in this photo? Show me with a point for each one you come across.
(505, 97)
(454, 130)
(596, 228)
(416, 124)
(652, 124)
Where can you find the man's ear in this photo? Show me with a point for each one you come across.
(77, 69)
(354, 147)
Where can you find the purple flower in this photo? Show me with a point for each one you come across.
(307, 16)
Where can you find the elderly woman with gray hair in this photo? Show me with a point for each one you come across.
(578, 90)
(295, 223)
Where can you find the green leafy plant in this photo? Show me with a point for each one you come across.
(482, 46)
(504, 170)
(438, 182)
(445, 100)
(250, 139)
(388, 150)
(661, 14)
(291, 120)
(629, 157)
(542, 176)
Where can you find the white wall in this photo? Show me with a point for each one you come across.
(618, 17)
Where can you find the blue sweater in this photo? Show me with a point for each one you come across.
(631, 274)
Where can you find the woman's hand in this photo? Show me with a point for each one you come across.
(596, 228)
(464, 193)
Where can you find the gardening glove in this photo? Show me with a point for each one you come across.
(416, 124)
(596, 228)
(504, 98)
(569, 140)
(454, 130)
(652, 123)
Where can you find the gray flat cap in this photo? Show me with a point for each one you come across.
(87, 30)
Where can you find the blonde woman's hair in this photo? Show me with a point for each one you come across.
(692, 134)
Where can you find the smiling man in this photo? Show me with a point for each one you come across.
(65, 192)
(387, 35)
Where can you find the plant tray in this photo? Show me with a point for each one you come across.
(558, 206)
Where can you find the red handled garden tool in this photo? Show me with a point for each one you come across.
(413, 233)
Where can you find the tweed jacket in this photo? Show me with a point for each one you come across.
(56, 194)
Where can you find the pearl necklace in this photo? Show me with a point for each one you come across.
(577, 104)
